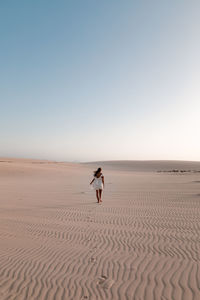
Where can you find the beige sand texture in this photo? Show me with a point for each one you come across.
(141, 243)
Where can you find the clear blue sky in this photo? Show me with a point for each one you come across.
(100, 80)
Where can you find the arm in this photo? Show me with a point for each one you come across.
(92, 181)
(103, 180)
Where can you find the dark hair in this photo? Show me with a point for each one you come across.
(97, 171)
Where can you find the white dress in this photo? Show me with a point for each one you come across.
(98, 183)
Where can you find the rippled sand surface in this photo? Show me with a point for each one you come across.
(141, 243)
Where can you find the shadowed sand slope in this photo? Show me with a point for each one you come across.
(141, 243)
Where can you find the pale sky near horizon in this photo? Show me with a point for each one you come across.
(100, 80)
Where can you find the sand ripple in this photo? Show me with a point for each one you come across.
(142, 243)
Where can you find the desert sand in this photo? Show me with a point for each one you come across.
(141, 243)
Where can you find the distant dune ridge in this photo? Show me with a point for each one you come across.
(123, 165)
(147, 165)
(141, 243)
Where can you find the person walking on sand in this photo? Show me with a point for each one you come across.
(98, 183)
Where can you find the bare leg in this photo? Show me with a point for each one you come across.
(97, 195)
(100, 193)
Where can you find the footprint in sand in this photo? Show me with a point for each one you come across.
(105, 282)
(93, 260)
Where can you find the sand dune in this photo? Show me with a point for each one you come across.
(142, 243)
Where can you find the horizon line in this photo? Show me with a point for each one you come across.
(98, 161)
